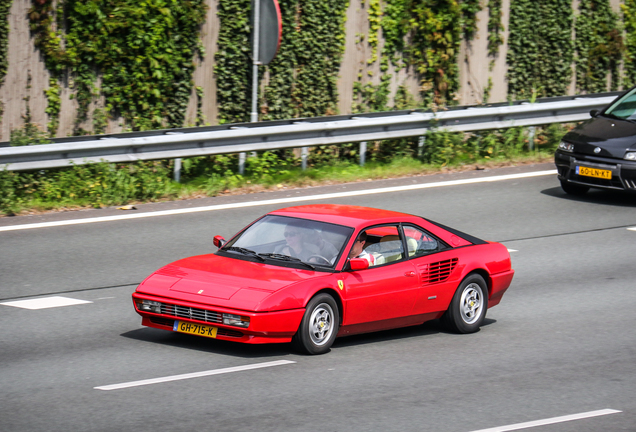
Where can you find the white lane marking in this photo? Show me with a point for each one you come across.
(549, 421)
(193, 375)
(632, 229)
(513, 250)
(46, 302)
(279, 201)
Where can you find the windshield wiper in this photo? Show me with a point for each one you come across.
(245, 252)
(287, 258)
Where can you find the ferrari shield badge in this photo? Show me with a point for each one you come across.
(341, 285)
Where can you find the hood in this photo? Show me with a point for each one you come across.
(216, 279)
(614, 137)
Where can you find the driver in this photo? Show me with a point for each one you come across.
(357, 250)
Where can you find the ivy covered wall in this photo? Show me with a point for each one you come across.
(111, 65)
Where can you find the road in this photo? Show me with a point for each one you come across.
(561, 342)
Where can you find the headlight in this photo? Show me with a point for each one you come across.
(565, 146)
(149, 306)
(236, 320)
(630, 156)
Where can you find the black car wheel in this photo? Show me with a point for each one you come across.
(319, 326)
(573, 189)
(467, 310)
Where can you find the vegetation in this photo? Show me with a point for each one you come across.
(107, 184)
(142, 51)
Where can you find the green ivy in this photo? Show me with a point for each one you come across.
(495, 27)
(629, 19)
(4, 42)
(375, 24)
(599, 46)
(142, 50)
(540, 49)
(302, 77)
(469, 16)
(233, 71)
(5, 7)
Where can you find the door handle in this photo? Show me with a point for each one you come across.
(409, 274)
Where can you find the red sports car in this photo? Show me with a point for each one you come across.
(310, 273)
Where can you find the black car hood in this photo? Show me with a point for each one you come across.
(613, 136)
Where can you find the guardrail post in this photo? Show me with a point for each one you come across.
(303, 156)
(177, 170)
(363, 152)
(241, 163)
(420, 146)
(532, 130)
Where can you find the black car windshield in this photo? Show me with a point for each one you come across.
(624, 108)
(287, 239)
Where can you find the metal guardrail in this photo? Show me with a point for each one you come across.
(249, 137)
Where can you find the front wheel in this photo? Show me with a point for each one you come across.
(467, 310)
(319, 326)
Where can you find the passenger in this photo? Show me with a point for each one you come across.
(296, 245)
(357, 250)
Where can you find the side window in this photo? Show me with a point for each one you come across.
(419, 242)
(384, 244)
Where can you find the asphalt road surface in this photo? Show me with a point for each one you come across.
(557, 355)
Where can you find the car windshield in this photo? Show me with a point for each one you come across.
(624, 108)
(289, 239)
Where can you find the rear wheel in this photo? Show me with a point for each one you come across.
(319, 326)
(467, 310)
(573, 189)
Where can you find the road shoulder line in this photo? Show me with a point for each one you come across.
(287, 200)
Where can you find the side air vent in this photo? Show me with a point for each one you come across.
(437, 271)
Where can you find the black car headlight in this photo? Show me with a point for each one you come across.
(630, 156)
(565, 146)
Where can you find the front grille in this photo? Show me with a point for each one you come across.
(191, 313)
(615, 182)
(437, 271)
(631, 184)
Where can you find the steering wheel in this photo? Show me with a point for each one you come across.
(320, 260)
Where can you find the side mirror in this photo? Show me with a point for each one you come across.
(218, 241)
(594, 113)
(358, 264)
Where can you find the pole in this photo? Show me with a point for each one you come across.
(363, 152)
(177, 170)
(255, 63)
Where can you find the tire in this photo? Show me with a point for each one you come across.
(467, 310)
(319, 326)
(573, 189)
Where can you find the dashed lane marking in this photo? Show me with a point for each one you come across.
(550, 421)
(631, 229)
(45, 302)
(513, 250)
(194, 375)
(280, 201)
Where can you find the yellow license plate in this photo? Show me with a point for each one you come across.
(195, 329)
(594, 172)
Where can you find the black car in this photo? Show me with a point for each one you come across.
(601, 152)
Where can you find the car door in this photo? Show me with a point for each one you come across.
(386, 290)
(434, 262)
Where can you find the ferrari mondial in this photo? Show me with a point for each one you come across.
(309, 274)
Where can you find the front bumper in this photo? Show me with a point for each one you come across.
(623, 172)
(264, 327)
